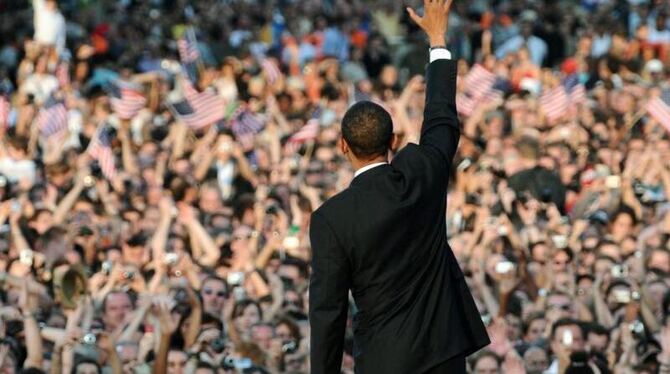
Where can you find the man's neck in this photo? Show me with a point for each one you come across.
(359, 164)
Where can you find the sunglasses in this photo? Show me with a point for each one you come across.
(218, 293)
(563, 307)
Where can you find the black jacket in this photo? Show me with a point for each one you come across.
(385, 239)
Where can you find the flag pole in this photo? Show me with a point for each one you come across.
(200, 65)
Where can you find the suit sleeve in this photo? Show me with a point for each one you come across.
(328, 298)
(441, 130)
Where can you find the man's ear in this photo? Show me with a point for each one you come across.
(396, 140)
(344, 147)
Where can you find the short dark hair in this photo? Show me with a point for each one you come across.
(205, 365)
(138, 240)
(625, 209)
(103, 306)
(292, 326)
(214, 278)
(368, 129)
(566, 322)
(239, 307)
(616, 283)
(82, 361)
(298, 263)
(532, 317)
(209, 319)
(483, 354)
(18, 142)
(597, 329)
(31, 370)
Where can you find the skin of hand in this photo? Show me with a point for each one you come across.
(434, 21)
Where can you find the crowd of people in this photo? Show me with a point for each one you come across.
(147, 243)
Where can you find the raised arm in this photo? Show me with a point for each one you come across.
(328, 300)
(68, 201)
(440, 130)
(34, 347)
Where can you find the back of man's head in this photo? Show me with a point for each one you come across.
(367, 128)
(529, 148)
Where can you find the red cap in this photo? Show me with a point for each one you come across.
(569, 66)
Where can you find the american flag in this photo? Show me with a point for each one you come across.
(479, 81)
(577, 91)
(100, 149)
(492, 96)
(306, 133)
(245, 125)
(660, 111)
(189, 55)
(5, 110)
(270, 70)
(52, 118)
(63, 74)
(126, 99)
(186, 113)
(465, 104)
(199, 109)
(555, 102)
(665, 95)
(482, 87)
(578, 94)
(188, 47)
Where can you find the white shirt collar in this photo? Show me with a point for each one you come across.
(368, 167)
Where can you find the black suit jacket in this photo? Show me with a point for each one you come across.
(385, 239)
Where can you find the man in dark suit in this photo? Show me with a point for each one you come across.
(384, 238)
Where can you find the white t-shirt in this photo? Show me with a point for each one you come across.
(225, 173)
(16, 170)
(41, 86)
(49, 25)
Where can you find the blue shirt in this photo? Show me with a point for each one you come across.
(536, 46)
(335, 44)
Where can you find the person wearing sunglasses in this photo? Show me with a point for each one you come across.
(214, 293)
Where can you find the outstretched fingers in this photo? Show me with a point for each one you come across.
(415, 17)
(447, 6)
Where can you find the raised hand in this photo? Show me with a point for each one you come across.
(434, 21)
(166, 205)
(168, 324)
(500, 344)
(186, 214)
